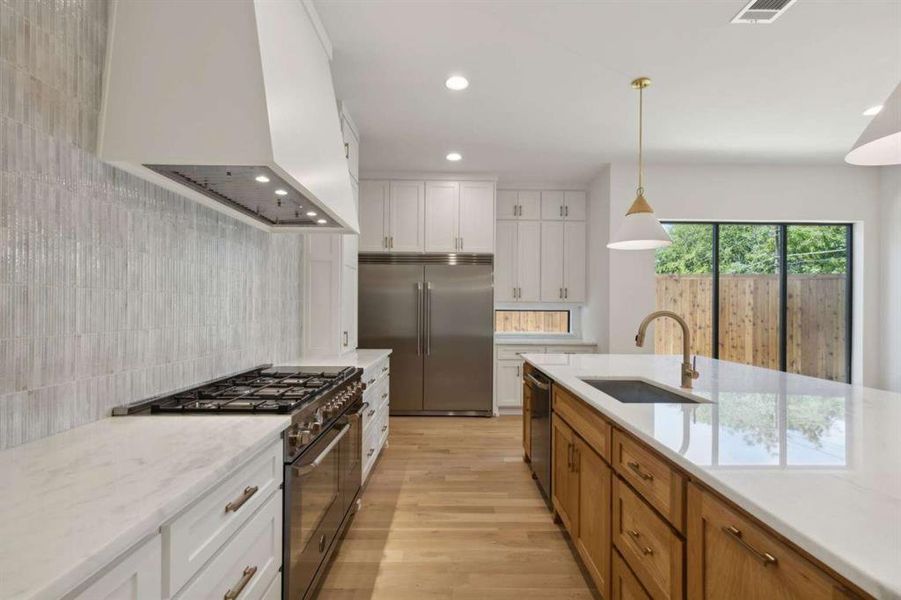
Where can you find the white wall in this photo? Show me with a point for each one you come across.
(751, 192)
(596, 313)
(890, 217)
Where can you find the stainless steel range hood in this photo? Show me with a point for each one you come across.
(230, 103)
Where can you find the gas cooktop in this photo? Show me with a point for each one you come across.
(261, 390)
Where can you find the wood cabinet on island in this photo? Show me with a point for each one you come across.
(753, 488)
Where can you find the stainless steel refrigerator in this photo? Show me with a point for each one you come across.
(436, 313)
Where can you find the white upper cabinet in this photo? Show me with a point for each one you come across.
(442, 216)
(528, 261)
(505, 280)
(560, 206)
(476, 223)
(374, 200)
(575, 206)
(551, 261)
(351, 146)
(563, 261)
(525, 204)
(575, 265)
(406, 216)
(517, 262)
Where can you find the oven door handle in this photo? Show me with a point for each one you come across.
(302, 470)
(359, 412)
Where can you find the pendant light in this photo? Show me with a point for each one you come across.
(880, 142)
(640, 229)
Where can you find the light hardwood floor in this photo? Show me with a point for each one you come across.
(451, 512)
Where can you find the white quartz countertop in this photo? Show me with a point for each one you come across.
(72, 503)
(818, 461)
(362, 358)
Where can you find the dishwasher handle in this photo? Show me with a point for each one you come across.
(539, 384)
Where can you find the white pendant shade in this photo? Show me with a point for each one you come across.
(880, 142)
(640, 231)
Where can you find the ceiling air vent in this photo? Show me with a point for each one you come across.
(762, 11)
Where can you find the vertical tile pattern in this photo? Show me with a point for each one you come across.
(111, 289)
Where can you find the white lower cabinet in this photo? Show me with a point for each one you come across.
(508, 369)
(375, 416)
(135, 577)
(509, 383)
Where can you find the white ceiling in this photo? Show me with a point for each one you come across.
(549, 98)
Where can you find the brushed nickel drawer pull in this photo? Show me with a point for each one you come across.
(234, 592)
(384, 427)
(637, 468)
(385, 395)
(371, 452)
(764, 557)
(248, 492)
(371, 412)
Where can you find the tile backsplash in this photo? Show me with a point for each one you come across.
(111, 289)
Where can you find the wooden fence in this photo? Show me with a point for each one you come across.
(749, 320)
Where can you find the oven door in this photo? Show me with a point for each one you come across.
(314, 508)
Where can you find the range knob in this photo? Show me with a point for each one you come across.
(316, 426)
(300, 437)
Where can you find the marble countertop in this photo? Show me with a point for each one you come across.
(361, 358)
(818, 461)
(530, 341)
(72, 503)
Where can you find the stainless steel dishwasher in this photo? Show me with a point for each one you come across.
(540, 387)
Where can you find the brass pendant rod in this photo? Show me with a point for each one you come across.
(640, 138)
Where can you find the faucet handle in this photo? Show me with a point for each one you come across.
(694, 367)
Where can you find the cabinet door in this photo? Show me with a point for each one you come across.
(574, 263)
(528, 261)
(442, 212)
(625, 585)
(406, 216)
(530, 205)
(505, 268)
(552, 206)
(575, 206)
(507, 204)
(509, 383)
(565, 487)
(373, 216)
(351, 148)
(551, 261)
(477, 216)
(729, 556)
(138, 576)
(593, 541)
(348, 308)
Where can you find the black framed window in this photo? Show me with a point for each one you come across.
(774, 295)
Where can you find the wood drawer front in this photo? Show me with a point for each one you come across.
(729, 556)
(197, 534)
(513, 352)
(584, 420)
(625, 584)
(653, 551)
(253, 555)
(651, 476)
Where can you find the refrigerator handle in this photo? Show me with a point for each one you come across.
(428, 318)
(419, 318)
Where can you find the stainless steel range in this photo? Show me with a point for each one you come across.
(322, 451)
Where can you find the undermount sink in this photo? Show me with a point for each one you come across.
(633, 391)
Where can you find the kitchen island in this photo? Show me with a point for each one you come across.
(813, 463)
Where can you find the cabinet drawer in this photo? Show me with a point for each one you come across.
(135, 577)
(648, 545)
(651, 476)
(571, 349)
(197, 534)
(587, 423)
(248, 563)
(369, 414)
(382, 424)
(374, 372)
(513, 352)
(370, 448)
(625, 584)
(730, 555)
(383, 392)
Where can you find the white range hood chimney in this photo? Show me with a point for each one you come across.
(230, 103)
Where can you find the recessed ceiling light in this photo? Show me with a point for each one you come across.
(456, 83)
(873, 110)
(322, 221)
(281, 193)
(454, 156)
(262, 178)
(312, 213)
